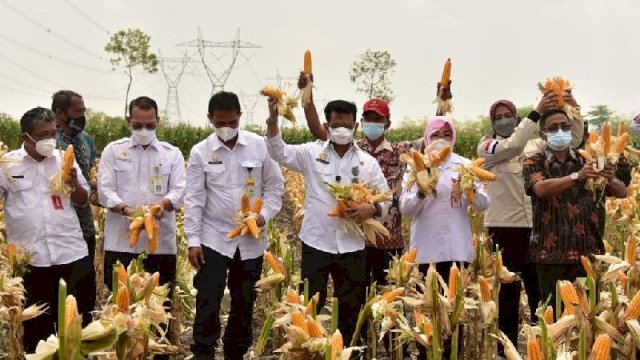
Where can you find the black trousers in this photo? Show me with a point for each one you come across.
(93, 288)
(41, 285)
(164, 264)
(514, 243)
(210, 282)
(377, 262)
(349, 282)
(549, 274)
(443, 268)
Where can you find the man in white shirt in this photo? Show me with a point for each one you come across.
(635, 124)
(44, 223)
(327, 247)
(135, 171)
(222, 168)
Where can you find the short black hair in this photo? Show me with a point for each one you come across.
(340, 106)
(62, 99)
(550, 112)
(35, 116)
(224, 101)
(143, 103)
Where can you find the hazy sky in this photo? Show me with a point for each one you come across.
(499, 49)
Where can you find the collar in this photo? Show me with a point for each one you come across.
(550, 157)
(384, 145)
(133, 143)
(23, 154)
(215, 143)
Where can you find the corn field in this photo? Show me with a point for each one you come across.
(593, 318)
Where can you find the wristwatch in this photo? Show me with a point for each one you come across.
(574, 176)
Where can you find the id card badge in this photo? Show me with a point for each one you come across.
(250, 187)
(57, 202)
(456, 199)
(156, 187)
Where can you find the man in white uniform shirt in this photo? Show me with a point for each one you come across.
(327, 247)
(135, 171)
(223, 167)
(44, 223)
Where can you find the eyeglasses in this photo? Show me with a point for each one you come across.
(554, 128)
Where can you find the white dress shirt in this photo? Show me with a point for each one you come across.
(48, 228)
(131, 175)
(217, 177)
(318, 162)
(440, 227)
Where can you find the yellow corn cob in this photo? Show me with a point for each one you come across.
(418, 317)
(235, 232)
(441, 156)
(391, 295)
(122, 274)
(253, 227)
(153, 240)
(292, 297)
(134, 236)
(428, 327)
(314, 329)
(11, 253)
(621, 129)
(297, 319)
(453, 281)
(67, 163)
(534, 351)
(586, 264)
(122, 299)
(485, 291)
(630, 253)
(605, 134)
(337, 345)
(136, 223)
(446, 73)
(418, 160)
(592, 138)
(568, 293)
(257, 206)
(148, 225)
(154, 282)
(244, 231)
(272, 93)
(548, 315)
(601, 348)
(481, 173)
(478, 162)
(585, 154)
(308, 69)
(471, 196)
(621, 143)
(70, 310)
(408, 258)
(633, 309)
(274, 263)
(245, 203)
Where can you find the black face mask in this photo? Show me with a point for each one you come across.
(77, 124)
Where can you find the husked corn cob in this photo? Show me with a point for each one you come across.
(408, 258)
(534, 351)
(292, 297)
(446, 73)
(134, 236)
(631, 249)
(485, 291)
(148, 225)
(621, 143)
(393, 294)
(568, 293)
(601, 348)
(478, 162)
(122, 299)
(605, 133)
(471, 196)
(253, 227)
(155, 209)
(70, 311)
(314, 329)
(272, 93)
(418, 160)
(481, 173)
(297, 319)
(136, 223)
(245, 203)
(621, 129)
(453, 281)
(586, 264)
(67, 163)
(257, 206)
(337, 344)
(633, 309)
(308, 69)
(153, 239)
(593, 138)
(11, 253)
(548, 315)
(245, 230)
(441, 156)
(236, 231)
(586, 154)
(122, 274)
(622, 277)
(274, 263)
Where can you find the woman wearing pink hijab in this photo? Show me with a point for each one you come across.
(440, 227)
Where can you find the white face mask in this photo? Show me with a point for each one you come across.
(46, 147)
(341, 135)
(144, 136)
(439, 144)
(226, 133)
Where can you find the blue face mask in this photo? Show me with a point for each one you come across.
(559, 140)
(372, 131)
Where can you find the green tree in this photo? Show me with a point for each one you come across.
(130, 48)
(371, 73)
(599, 114)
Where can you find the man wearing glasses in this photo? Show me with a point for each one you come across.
(566, 220)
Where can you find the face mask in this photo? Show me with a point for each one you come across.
(144, 136)
(559, 140)
(226, 133)
(341, 135)
(77, 124)
(505, 126)
(372, 131)
(439, 144)
(45, 147)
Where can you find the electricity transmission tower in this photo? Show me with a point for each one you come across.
(172, 70)
(218, 77)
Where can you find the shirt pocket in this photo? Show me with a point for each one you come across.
(251, 176)
(124, 175)
(324, 172)
(215, 175)
(22, 188)
(511, 167)
(165, 175)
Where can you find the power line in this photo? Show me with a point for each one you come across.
(89, 18)
(19, 82)
(53, 57)
(27, 70)
(49, 31)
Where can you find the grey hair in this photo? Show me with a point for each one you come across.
(35, 117)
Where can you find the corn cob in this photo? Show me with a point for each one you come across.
(67, 163)
(568, 293)
(624, 280)
(297, 319)
(391, 295)
(253, 227)
(274, 263)
(122, 299)
(136, 223)
(534, 352)
(586, 264)
(548, 315)
(485, 291)
(155, 209)
(586, 154)
(441, 156)
(630, 253)
(134, 236)
(621, 143)
(621, 129)
(593, 138)
(71, 310)
(481, 173)
(418, 160)
(257, 206)
(314, 329)
(633, 308)
(245, 230)
(122, 274)
(478, 162)
(148, 225)
(153, 239)
(601, 348)
(337, 345)
(446, 73)
(11, 254)
(453, 281)
(235, 232)
(245, 203)
(272, 93)
(605, 134)
(308, 69)
(408, 258)
(471, 196)
(154, 281)
(292, 297)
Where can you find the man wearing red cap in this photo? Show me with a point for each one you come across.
(375, 121)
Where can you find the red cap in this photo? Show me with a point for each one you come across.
(378, 105)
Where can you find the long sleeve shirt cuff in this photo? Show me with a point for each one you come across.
(113, 201)
(194, 241)
(174, 199)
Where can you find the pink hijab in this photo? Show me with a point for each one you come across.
(435, 124)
